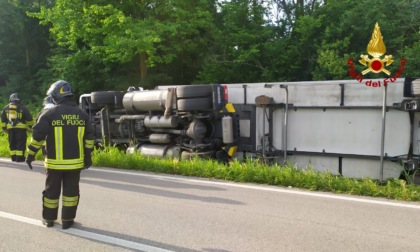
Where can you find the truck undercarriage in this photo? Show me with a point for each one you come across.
(178, 122)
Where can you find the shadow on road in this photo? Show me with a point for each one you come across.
(134, 179)
(132, 239)
(138, 187)
(37, 165)
(138, 184)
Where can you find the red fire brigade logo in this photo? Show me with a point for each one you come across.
(376, 48)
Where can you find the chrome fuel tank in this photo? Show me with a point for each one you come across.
(151, 100)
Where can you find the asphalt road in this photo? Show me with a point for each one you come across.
(123, 210)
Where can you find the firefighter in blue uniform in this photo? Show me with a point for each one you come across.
(15, 121)
(68, 136)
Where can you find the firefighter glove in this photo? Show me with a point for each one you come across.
(5, 130)
(88, 163)
(87, 160)
(29, 159)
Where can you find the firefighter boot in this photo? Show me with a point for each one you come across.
(48, 223)
(67, 224)
(20, 159)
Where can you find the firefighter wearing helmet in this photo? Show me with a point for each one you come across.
(68, 136)
(47, 103)
(16, 120)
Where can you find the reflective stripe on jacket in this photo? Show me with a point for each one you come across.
(67, 133)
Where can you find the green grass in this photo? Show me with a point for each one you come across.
(252, 171)
(4, 146)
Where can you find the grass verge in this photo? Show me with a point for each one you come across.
(4, 146)
(252, 171)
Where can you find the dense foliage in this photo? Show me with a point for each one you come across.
(105, 44)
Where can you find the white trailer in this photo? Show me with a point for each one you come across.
(341, 126)
(344, 127)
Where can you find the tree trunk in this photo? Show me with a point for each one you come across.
(143, 66)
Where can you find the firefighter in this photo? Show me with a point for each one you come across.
(47, 103)
(15, 121)
(68, 136)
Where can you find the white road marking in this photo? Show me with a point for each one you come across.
(267, 188)
(264, 188)
(21, 219)
(113, 240)
(86, 234)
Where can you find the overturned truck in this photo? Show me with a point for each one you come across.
(178, 122)
(344, 127)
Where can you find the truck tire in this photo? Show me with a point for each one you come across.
(194, 91)
(107, 98)
(194, 104)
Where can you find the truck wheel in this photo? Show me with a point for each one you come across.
(194, 104)
(107, 98)
(194, 91)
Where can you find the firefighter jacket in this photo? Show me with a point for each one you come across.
(16, 116)
(68, 136)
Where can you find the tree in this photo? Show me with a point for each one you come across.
(348, 27)
(241, 44)
(112, 36)
(23, 47)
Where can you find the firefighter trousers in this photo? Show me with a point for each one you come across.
(51, 194)
(17, 144)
